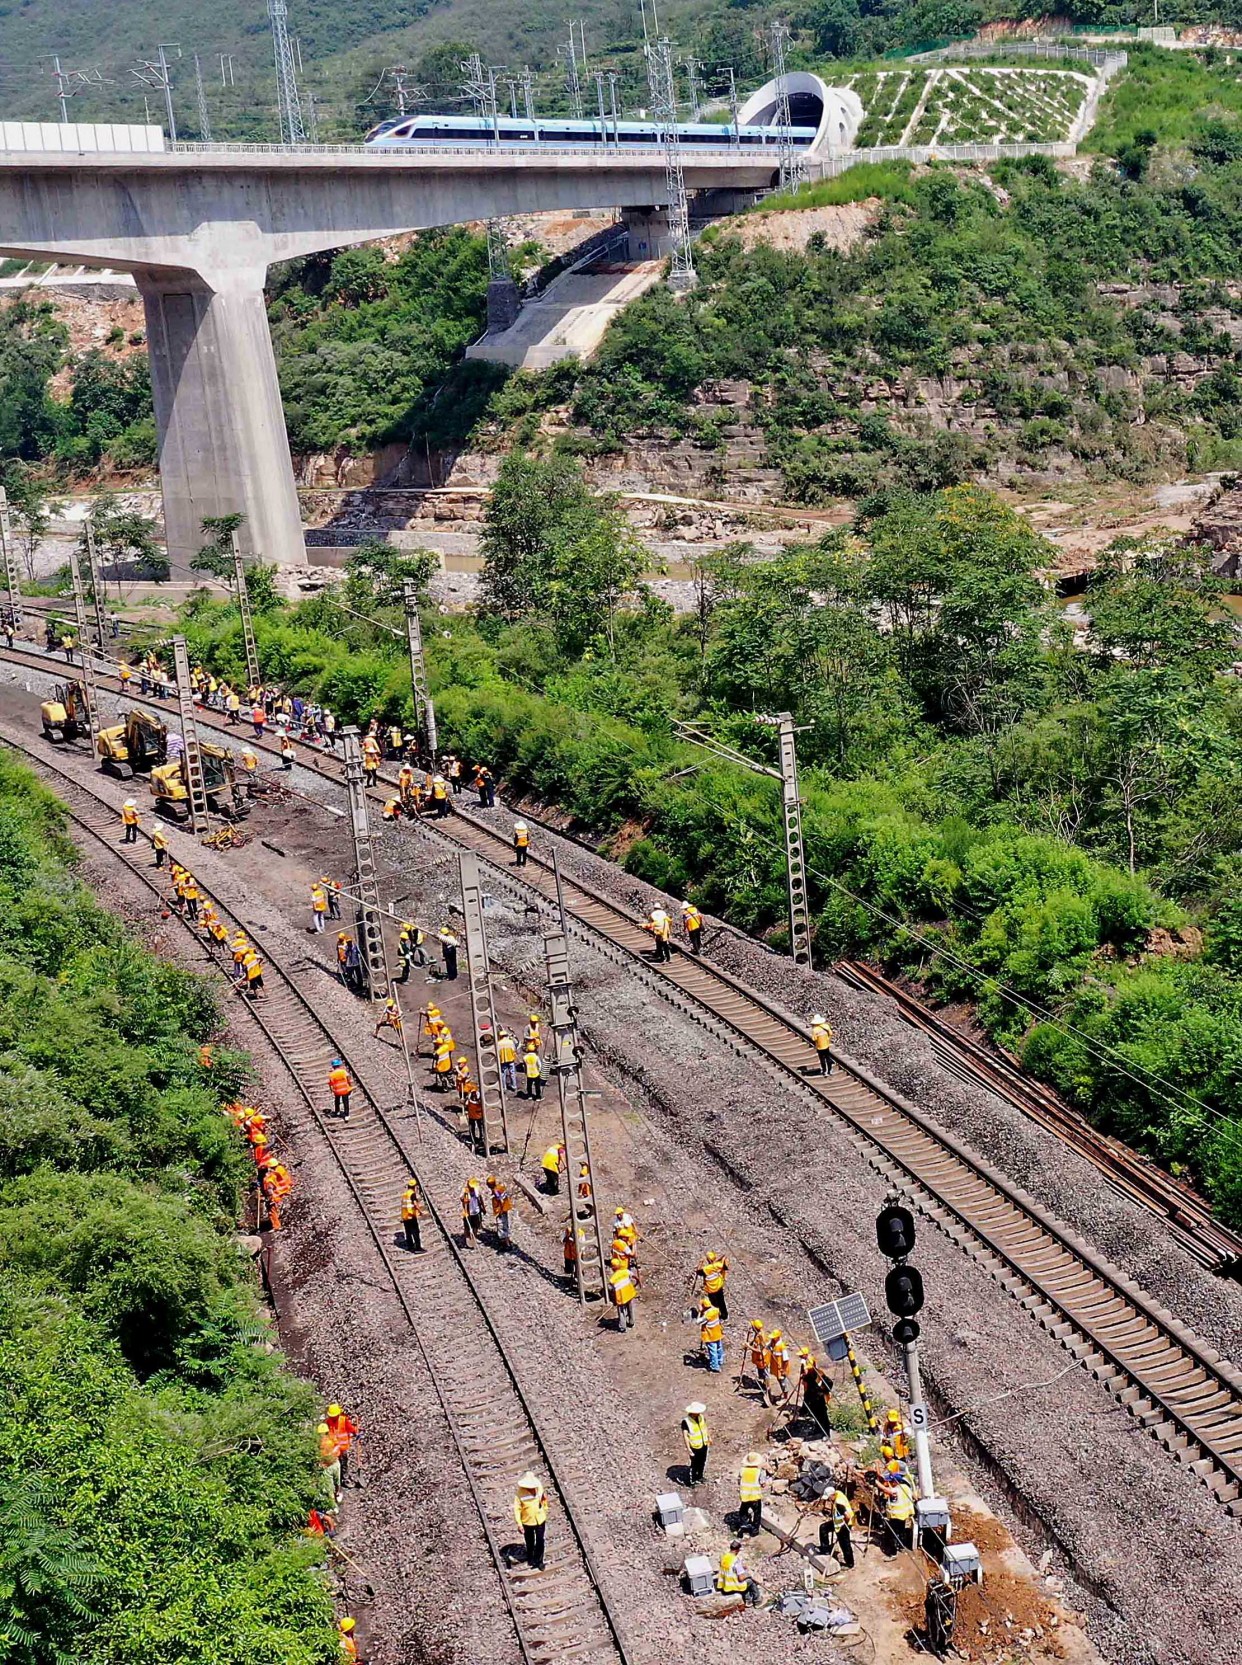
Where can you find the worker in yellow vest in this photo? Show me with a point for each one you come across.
(622, 1290)
(506, 1057)
(757, 1354)
(159, 843)
(319, 907)
(439, 797)
(835, 1533)
(370, 759)
(692, 920)
(779, 1369)
(521, 843)
(130, 820)
(552, 1164)
(733, 1579)
(750, 1494)
(533, 1070)
(698, 1439)
(712, 1274)
(712, 1336)
(411, 1214)
(660, 927)
(821, 1036)
(530, 1511)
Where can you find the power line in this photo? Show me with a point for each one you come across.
(792, 159)
(71, 82)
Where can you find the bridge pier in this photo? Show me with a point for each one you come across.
(222, 442)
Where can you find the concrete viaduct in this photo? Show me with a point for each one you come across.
(199, 227)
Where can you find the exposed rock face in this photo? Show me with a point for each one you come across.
(1220, 525)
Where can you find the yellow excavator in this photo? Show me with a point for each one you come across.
(64, 715)
(171, 792)
(133, 747)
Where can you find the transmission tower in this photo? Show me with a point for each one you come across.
(424, 710)
(192, 756)
(12, 578)
(792, 160)
(585, 1220)
(243, 607)
(497, 251)
(88, 664)
(573, 79)
(71, 82)
(370, 930)
(681, 275)
(479, 86)
(288, 99)
(157, 76)
(482, 1007)
(204, 118)
(92, 567)
(692, 66)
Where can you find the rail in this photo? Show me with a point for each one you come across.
(1175, 1385)
(543, 1613)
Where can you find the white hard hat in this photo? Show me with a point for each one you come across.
(130, 804)
(819, 1018)
(696, 1409)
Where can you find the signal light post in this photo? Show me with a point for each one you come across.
(903, 1295)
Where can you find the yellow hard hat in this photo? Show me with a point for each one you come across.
(491, 1179)
(322, 1428)
(534, 1017)
(756, 1323)
(335, 1410)
(776, 1335)
(346, 1625)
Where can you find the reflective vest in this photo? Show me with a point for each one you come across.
(694, 1428)
(709, 1326)
(506, 1050)
(159, 839)
(727, 1580)
(521, 838)
(758, 1350)
(342, 1428)
(900, 1504)
(749, 1486)
(471, 1202)
(821, 1034)
(502, 1202)
(552, 1160)
(439, 788)
(534, 1069)
(129, 816)
(714, 1273)
(411, 1206)
(570, 1245)
(622, 1282)
(474, 1108)
(444, 1058)
(392, 810)
(842, 1510)
(778, 1360)
(339, 1081)
(530, 1508)
(258, 716)
(319, 902)
(254, 969)
(249, 761)
(370, 749)
(662, 926)
(692, 919)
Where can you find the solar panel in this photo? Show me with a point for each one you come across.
(837, 1318)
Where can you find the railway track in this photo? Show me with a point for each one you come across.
(1179, 1205)
(1176, 1387)
(561, 1613)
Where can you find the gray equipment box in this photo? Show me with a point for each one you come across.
(670, 1509)
(699, 1574)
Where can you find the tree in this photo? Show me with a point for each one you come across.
(376, 574)
(216, 555)
(124, 539)
(956, 575)
(30, 511)
(555, 551)
(46, 1579)
(1152, 604)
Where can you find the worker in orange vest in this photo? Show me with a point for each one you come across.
(502, 1211)
(341, 1085)
(411, 1214)
(342, 1428)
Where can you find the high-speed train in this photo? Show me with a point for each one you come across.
(516, 130)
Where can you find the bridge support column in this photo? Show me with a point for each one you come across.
(648, 236)
(222, 442)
